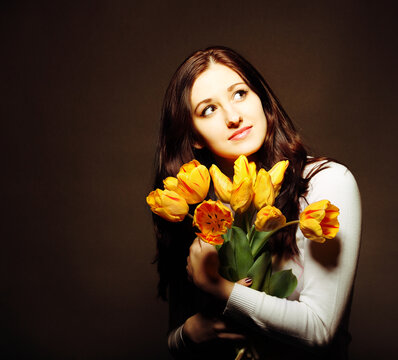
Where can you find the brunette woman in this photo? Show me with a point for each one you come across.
(216, 108)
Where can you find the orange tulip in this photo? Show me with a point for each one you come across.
(269, 218)
(319, 221)
(211, 239)
(192, 182)
(168, 204)
(277, 173)
(222, 184)
(212, 218)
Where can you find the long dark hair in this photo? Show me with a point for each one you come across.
(176, 147)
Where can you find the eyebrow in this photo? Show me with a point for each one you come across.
(206, 101)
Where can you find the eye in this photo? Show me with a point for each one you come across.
(240, 94)
(208, 110)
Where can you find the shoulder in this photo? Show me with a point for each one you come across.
(334, 182)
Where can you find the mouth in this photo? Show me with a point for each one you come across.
(241, 133)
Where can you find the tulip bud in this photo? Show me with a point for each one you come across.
(319, 221)
(242, 195)
(222, 184)
(277, 173)
(192, 182)
(168, 204)
(243, 169)
(269, 218)
(263, 190)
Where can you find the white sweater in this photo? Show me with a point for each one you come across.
(313, 313)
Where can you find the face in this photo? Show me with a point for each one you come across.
(227, 114)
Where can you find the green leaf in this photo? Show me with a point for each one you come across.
(242, 252)
(282, 283)
(227, 272)
(226, 255)
(227, 235)
(259, 270)
(259, 239)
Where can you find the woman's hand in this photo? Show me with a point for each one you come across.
(200, 328)
(202, 268)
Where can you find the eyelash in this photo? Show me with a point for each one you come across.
(206, 108)
(243, 94)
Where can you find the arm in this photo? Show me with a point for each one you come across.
(329, 271)
(328, 275)
(196, 319)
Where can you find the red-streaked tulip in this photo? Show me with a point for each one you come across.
(222, 184)
(192, 182)
(318, 221)
(277, 173)
(212, 217)
(269, 218)
(168, 204)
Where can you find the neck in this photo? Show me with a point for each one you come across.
(225, 165)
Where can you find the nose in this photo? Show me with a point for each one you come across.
(232, 118)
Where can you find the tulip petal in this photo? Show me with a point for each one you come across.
(263, 190)
(242, 195)
(222, 184)
(211, 239)
(269, 218)
(193, 182)
(168, 204)
(319, 221)
(277, 174)
(212, 217)
(242, 169)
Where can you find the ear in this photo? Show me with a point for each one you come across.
(198, 145)
(198, 142)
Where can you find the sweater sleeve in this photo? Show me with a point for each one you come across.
(328, 275)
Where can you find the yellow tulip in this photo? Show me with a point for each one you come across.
(222, 184)
(263, 190)
(171, 183)
(212, 217)
(277, 173)
(243, 169)
(242, 187)
(192, 182)
(242, 195)
(168, 204)
(318, 221)
(269, 218)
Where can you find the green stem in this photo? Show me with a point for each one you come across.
(190, 215)
(247, 223)
(250, 235)
(272, 233)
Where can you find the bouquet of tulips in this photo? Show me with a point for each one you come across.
(228, 224)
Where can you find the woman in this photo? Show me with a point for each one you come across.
(216, 108)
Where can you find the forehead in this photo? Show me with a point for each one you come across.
(215, 80)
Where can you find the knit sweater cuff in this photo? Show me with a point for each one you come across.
(241, 303)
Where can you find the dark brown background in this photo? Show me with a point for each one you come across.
(81, 91)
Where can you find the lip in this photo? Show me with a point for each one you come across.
(241, 133)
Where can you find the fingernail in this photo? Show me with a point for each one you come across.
(248, 280)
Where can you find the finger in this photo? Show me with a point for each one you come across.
(230, 336)
(219, 326)
(245, 282)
